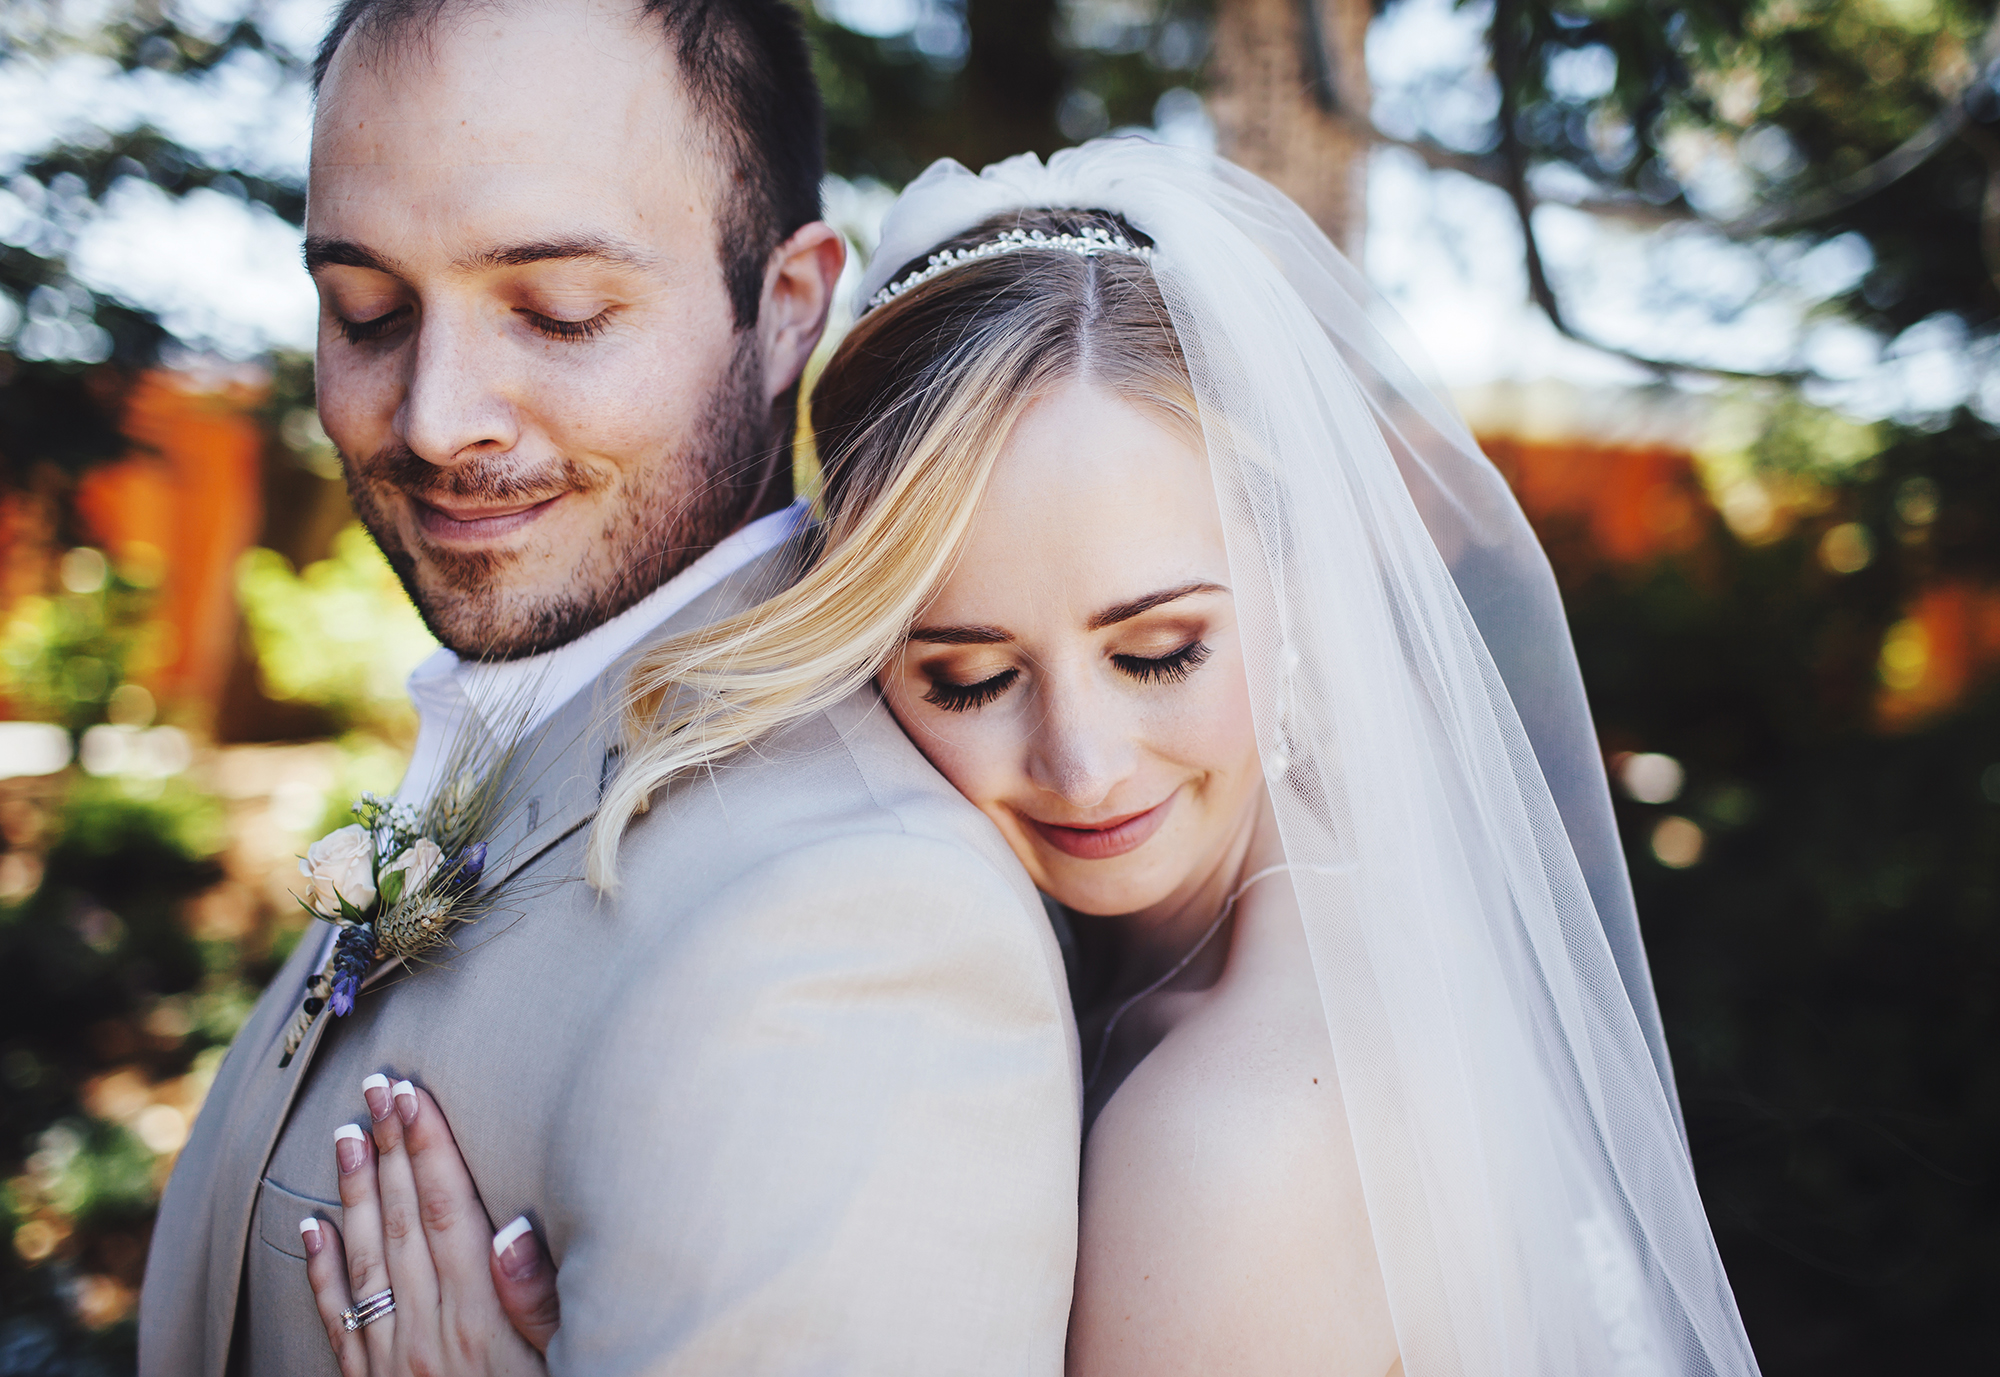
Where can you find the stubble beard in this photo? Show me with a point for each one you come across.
(662, 517)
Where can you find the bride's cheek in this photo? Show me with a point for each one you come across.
(949, 742)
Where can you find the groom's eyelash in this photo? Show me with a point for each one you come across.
(569, 331)
(965, 697)
(368, 331)
(1171, 668)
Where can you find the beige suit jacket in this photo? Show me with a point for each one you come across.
(802, 1098)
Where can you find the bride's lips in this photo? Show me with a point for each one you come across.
(1112, 837)
(474, 523)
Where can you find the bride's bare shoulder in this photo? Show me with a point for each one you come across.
(1223, 1227)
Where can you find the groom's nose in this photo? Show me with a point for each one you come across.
(456, 403)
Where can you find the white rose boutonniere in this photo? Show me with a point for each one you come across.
(340, 865)
(392, 890)
(416, 865)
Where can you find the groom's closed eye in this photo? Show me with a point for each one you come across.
(375, 328)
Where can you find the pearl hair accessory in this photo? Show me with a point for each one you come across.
(1090, 242)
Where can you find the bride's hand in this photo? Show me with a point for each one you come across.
(415, 1224)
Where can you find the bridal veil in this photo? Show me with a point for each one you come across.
(1438, 787)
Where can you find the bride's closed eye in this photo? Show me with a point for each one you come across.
(955, 697)
(1171, 668)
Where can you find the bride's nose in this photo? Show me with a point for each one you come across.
(1079, 751)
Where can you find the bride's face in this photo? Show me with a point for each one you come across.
(1080, 677)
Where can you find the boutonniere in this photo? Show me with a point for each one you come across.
(397, 881)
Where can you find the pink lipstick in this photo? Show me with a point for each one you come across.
(1112, 837)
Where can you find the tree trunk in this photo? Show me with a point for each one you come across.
(1288, 80)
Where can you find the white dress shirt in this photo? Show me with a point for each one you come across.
(523, 693)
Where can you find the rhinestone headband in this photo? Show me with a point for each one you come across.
(1091, 242)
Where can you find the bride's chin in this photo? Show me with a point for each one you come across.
(1100, 889)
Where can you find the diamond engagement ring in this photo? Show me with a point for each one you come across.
(368, 1311)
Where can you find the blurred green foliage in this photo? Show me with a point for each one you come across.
(1807, 118)
(102, 984)
(338, 634)
(64, 658)
(68, 352)
(981, 80)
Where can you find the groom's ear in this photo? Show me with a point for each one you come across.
(798, 293)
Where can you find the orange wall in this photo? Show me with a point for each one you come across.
(1637, 502)
(189, 501)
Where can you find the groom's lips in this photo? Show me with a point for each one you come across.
(1112, 837)
(472, 523)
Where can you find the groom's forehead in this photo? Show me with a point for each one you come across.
(564, 81)
(499, 111)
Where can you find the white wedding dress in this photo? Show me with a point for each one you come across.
(1439, 790)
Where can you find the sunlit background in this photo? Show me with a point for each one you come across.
(1713, 283)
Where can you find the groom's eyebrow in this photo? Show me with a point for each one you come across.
(345, 253)
(600, 247)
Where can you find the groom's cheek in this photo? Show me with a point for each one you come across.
(357, 400)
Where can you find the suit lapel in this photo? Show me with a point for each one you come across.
(254, 1097)
(554, 783)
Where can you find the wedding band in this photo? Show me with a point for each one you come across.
(369, 1311)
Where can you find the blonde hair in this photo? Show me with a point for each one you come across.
(908, 418)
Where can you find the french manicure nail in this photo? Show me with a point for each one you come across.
(347, 1147)
(405, 1096)
(516, 1249)
(309, 1231)
(375, 1090)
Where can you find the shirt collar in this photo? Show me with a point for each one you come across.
(502, 687)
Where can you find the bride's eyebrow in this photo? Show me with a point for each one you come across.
(1110, 616)
(1125, 611)
(960, 635)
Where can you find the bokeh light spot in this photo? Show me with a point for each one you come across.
(1846, 548)
(1677, 843)
(83, 570)
(1906, 654)
(1652, 778)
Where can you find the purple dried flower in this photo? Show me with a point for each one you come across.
(342, 1000)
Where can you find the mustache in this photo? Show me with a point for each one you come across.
(488, 477)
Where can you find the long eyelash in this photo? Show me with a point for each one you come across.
(965, 697)
(365, 331)
(1169, 669)
(569, 331)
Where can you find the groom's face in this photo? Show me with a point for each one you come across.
(527, 354)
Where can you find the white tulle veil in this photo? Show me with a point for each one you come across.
(1439, 791)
